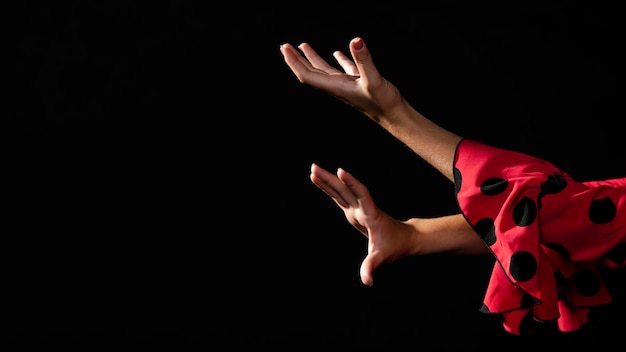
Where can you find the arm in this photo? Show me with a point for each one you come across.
(362, 87)
(390, 239)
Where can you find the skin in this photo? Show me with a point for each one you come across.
(361, 86)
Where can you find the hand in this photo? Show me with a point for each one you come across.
(360, 85)
(388, 238)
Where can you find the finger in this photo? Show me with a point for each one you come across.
(348, 65)
(358, 190)
(332, 186)
(330, 191)
(364, 62)
(307, 74)
(316, 60)
(300, 66)
(368, 266)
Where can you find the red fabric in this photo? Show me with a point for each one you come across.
(546, 231)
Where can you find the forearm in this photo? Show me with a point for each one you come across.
(430, 141)
(446, 234)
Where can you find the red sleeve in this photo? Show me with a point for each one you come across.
(546, 231)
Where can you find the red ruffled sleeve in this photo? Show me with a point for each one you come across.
(546, 231)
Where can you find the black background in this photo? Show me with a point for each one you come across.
(156, 161)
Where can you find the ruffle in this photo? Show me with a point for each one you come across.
(546, 231)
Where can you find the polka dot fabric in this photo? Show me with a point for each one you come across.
(547, 232)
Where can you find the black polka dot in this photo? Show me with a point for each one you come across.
(525, 212)
(526, 324)
(559, 249)
(493, 186)
(523, 266)
(602, 211)
(486, 230)
(528, 301)
(554, 184)
(617, 254)
(458, 178)
(587, 283)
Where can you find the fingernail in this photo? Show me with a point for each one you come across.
(358, 43)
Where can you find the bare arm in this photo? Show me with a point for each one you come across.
(446, 234)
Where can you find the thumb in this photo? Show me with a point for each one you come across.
(369, 264)
(363, 60)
